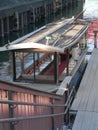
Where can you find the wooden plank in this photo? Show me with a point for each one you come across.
(75, 105)
(96, 101)
(87, 93)
(75, 30)
(90, 84)
(86, 121)
(70, 42)
(94, 96)
(93, 93)
(77, 122)
(64, 85)
(49, 29)
(86, 85)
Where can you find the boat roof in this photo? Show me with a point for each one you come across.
(53, 37)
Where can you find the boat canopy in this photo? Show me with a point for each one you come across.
(54, 37)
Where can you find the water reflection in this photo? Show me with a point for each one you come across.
(91, 13)
(71, 10)
(91, 7)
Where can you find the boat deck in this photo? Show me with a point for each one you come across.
(85, 102)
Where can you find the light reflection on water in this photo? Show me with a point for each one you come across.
(91, 7)
(91, 13)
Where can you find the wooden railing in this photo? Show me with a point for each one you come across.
(23, 111)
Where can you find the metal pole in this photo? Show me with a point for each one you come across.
(67, 62)
(34, 65)
(14, 65)
(52, 111)
(67, 114)
(11, 112)
(56, 68)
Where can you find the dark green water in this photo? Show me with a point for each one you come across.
(67, 13)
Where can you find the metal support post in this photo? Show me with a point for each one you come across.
(14, 65)
(34, 65)
(67, 62)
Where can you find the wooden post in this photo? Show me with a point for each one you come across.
(52, 112)
(95, 39)
(54, 6)
(33, 15)
(67, 114)
(56, 67)
(22, 20)
(8, 29)
(2, 28)
(67, 59)
(61, 6)
(17, 22)
(26, 18)
(45, 6)
(22, 62)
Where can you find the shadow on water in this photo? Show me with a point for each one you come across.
(71, 10)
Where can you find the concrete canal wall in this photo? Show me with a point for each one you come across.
(15, 15)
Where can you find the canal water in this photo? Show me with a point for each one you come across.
(91, 7)
(90, 13)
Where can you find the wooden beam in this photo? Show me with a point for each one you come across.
(31, 45)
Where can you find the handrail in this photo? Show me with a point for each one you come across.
(36, 104)
(35, 117)
(67, 105)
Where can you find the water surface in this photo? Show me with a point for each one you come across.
(91, 7)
